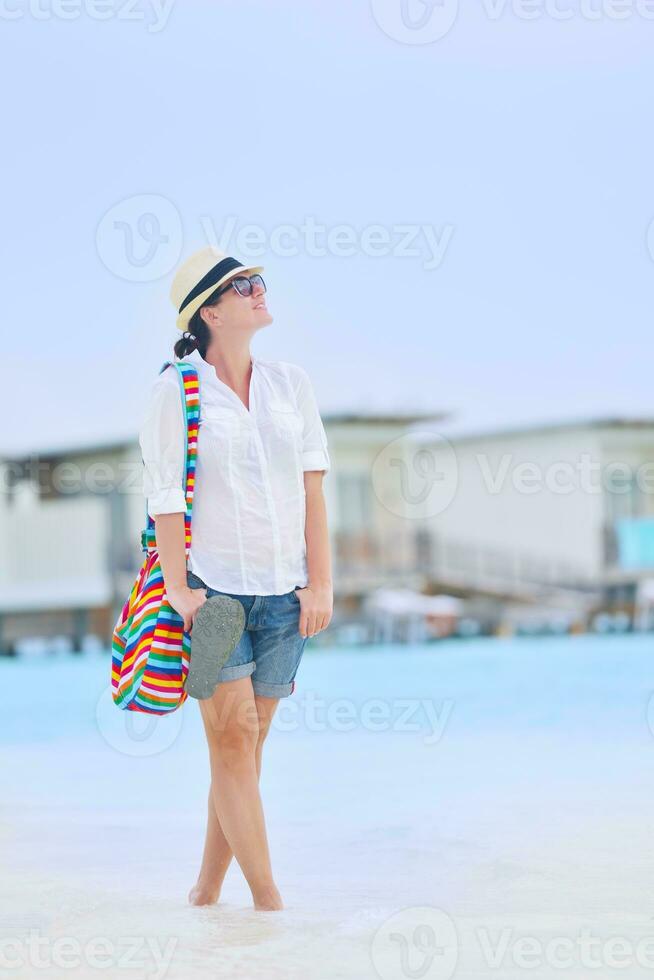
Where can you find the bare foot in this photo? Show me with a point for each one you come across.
(268, 900)
(201, 895)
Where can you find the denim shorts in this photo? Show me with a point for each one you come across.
(271, 644)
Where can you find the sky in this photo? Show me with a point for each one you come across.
(452, 204)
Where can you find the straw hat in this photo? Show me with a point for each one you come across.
(200, 276)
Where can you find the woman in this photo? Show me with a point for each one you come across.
(259, 535)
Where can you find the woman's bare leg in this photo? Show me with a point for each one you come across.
(217, 853)
(236, 722)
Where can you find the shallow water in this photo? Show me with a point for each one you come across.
(437, 811)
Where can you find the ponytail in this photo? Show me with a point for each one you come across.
(197, 337)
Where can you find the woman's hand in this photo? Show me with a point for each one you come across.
(186, 602)
(316, 607)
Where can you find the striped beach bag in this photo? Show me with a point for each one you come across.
(150, 648)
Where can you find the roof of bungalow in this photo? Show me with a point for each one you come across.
(466, 427)
(450, 425)
(121, 443)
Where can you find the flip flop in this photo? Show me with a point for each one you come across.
(216, 630)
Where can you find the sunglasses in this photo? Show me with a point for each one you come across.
(244, 284)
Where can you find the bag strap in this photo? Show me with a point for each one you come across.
(189, 387)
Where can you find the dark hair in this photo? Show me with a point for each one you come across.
(197, 335)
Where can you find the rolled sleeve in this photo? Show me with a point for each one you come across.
(315, 452)
(162, 439)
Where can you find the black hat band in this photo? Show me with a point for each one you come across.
(212, 277)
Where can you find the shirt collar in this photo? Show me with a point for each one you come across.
(204, 369)
(196, 359)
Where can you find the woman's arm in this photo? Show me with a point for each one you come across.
(316, 532)
(317, 599)
(169, 530)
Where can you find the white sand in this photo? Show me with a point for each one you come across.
(527, 823)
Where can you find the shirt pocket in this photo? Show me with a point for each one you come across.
(286, 420)
(223, 429)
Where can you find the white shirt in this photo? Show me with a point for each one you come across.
(249, 507)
